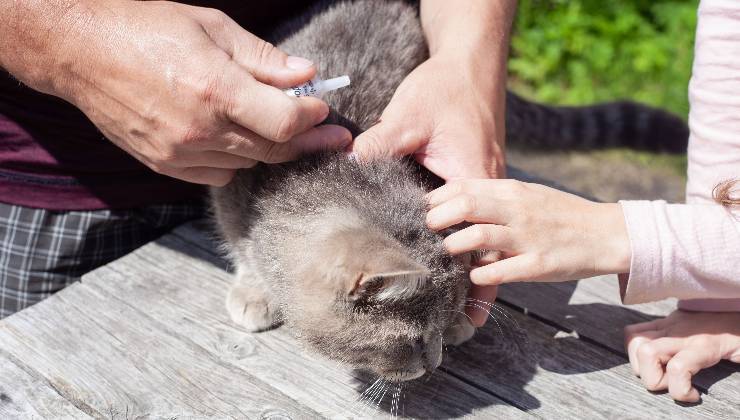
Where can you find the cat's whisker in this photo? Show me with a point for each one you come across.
(380, 400)
(377, 395)
(370, 392)
(489, 314)
(499, 310)
(367, 392)
(365, 398)
(395, 401)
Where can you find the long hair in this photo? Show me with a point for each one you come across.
(724, 193)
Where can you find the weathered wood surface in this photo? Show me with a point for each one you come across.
(147, 336)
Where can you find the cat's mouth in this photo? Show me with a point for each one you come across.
(430, 360)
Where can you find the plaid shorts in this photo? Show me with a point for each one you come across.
(43, 251)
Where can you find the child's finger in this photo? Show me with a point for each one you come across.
(489, 237)
(682, 367)
(508, 270)
(453, 189)
(463, 208)
(483, 297)
(652, 357)
(489, 257)
(633, 341)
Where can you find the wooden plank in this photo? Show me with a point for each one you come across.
(98, 351)
(159, 277)
(553, 374)
(553, 371)
(23, 395)
(592, 309)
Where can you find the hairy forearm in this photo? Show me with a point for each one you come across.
(34, 35)
(473, 36)
(478, 27)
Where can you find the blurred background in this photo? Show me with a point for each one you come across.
(578, 52)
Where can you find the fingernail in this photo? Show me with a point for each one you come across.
(298, 63)
(338, 134)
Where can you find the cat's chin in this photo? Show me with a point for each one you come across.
(404, 376)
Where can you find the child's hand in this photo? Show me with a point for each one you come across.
(543, 234)
(667, 353)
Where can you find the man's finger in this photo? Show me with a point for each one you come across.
(682, 367)
(242, 142)
(266, 110)
(202, 175)
(264, 61)
(321, 138)
(385, 139)
(214, 159)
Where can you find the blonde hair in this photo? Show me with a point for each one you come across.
(723, 193)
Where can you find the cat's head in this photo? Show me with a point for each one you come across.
(363, 298)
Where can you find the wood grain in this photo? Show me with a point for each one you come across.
(165, 278)
(23, 395)
(591, 308)
(115, 360)
(148, 336)
(558, 367)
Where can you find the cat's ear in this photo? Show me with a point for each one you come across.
(390, 286)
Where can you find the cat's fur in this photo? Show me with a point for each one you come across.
(339, 250)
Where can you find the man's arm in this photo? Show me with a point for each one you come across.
(476, 33)
(183, 89)
(449, 113)
(31, 40)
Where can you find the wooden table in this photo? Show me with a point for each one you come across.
(147, 336)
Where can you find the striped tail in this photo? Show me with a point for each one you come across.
(613, 124)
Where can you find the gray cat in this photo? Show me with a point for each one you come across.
(338, 250)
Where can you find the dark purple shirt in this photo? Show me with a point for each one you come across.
(53, 157)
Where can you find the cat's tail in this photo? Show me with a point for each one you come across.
(612, 124)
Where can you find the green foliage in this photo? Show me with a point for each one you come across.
(583, 51)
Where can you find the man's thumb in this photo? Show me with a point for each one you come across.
(384, 139)
(271, 66)
(264, 61)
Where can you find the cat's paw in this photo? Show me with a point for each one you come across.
(459, 332)
(250, 310)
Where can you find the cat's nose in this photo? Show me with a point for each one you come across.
(433, 352)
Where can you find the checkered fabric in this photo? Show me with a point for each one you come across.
(43, 251)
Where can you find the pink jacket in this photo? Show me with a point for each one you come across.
(692, 251)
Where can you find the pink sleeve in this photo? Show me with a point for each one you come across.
(683, 251)
(692, 251)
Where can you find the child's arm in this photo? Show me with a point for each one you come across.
(685, 251)
(543, 234)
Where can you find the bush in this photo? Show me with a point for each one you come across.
(583, 51)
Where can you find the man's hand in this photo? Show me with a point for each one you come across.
(183, 89)
(667, 353)
(449, 113)
(445, 117)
